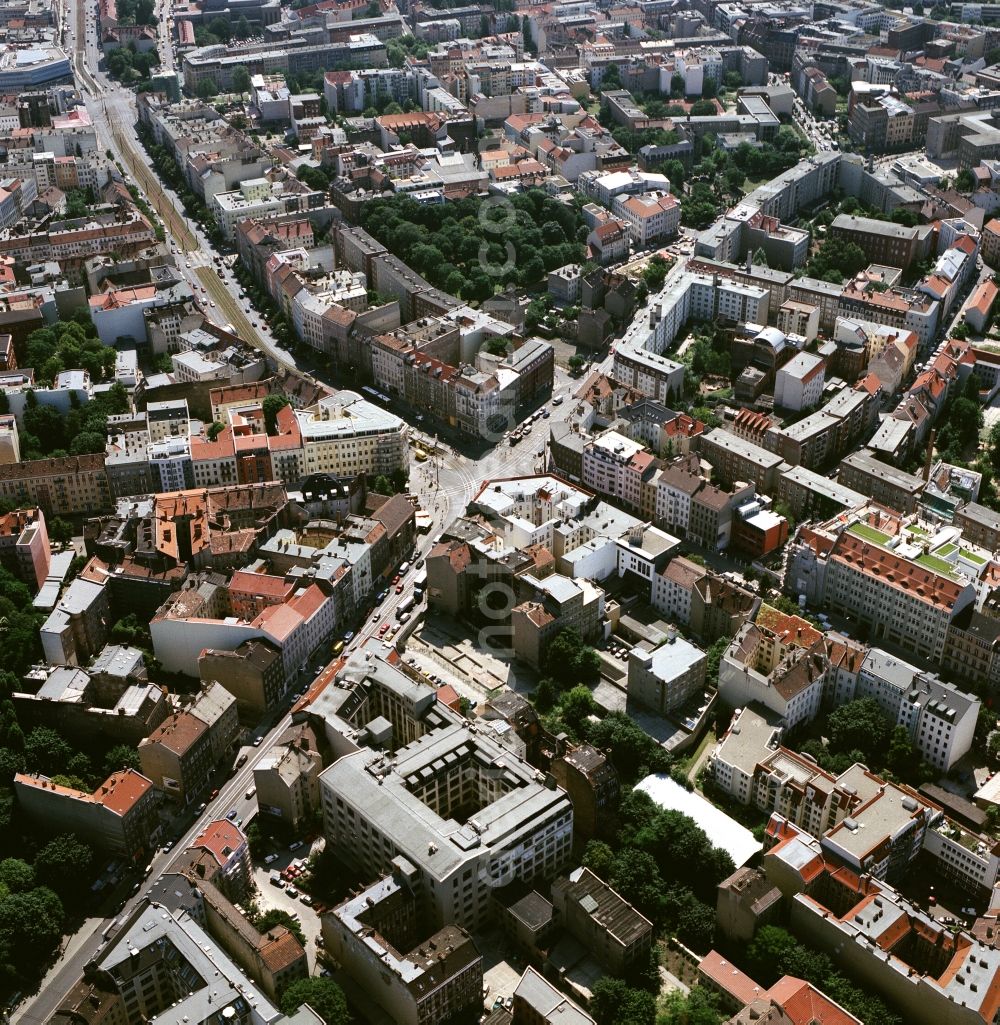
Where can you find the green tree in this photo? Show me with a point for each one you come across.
(965, 180)
(205, 89)
(16, 875)
(241, 79)
(324, 996)
(611, 79)
(59, 530)
(271, 406)
(46, 752)
(704, 108)
(62, 863)
(859, 725)
(599, 858)
(275, 916)
(614, 1002)
(568, 661)
(383, 486)
(698, 1007)
(121, 756)
(214, 429)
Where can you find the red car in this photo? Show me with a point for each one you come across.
(399, 589)
(395, 579)
(213, 795)
(382, 629)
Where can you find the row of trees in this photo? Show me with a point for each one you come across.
(68, 345)
(836, 260)
(859, 731)
(662, 862)
(130, 66)
(467, 249)
(42, 885)
(775, 952)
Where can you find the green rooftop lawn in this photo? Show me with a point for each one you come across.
(973, 557)
(862, 530)
(936, 564)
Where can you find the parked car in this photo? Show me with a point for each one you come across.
(292, 892)
(270, 859)
(295, 845)
(231, 815)
(250, 793)
(306, 899)
(257, 741)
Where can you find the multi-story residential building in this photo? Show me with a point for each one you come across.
(287, 777)
(673, 589)
(24, 546)
(798, 385)
(77, 628)
(177, 756)
(417, 975)
(939, 718)
(781, 670)
(222, 848)
(884, 241)
(883, 483)
(345, 435)
(884, 941)
(591, 781)
(603, 921)
(121, 816)
(735, 460)
(750, 766)
(436, 802)
(813, 495)
(65, 486)
(253, 673)
(664, 678)
(909, 602)
(163, 959)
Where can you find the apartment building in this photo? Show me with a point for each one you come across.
(814, 495)
(287, 777)
(662, 679)
(940, 719)
(798, 385)
(618, 936)
(177, 757)
(905, 601)
(883, 483)
(253, 673)
(438, 800)
(121, 816)
(77, 628)
(785, 671)
(222, 852)
(901, 952)
(417, 975)
(884, 241)
(735, 460)
(162, 959)
(591, 781)
(64, 486)
(344, 435)
(24, 546)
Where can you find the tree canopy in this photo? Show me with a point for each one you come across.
(324, 996)
(471, 246)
